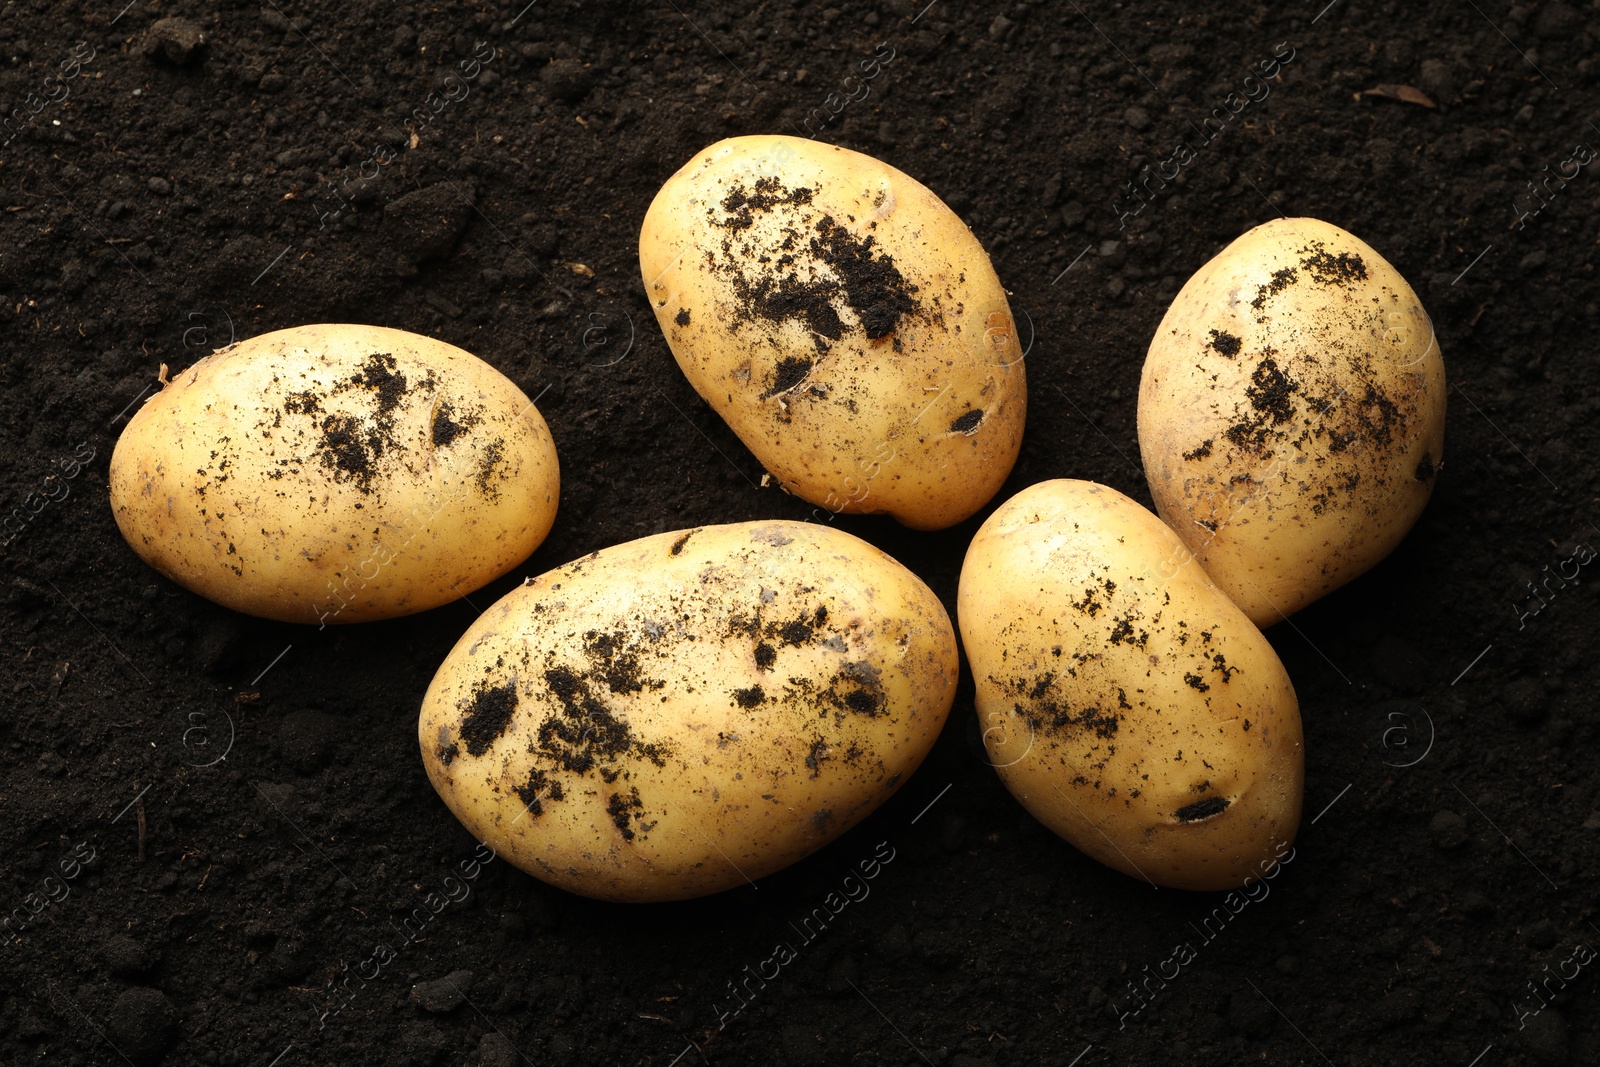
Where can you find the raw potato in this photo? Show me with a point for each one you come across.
(335, 473)
(673, 716)
(1291, 414)
(1148, 722)
(844, 321)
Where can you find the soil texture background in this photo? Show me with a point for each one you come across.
(209, 822)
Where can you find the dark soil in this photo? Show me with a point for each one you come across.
(218, 843)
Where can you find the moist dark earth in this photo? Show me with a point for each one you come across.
(217, 833)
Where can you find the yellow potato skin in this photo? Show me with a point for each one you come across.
(845, 323)
(1297, 462)
(680, 714)
(335, 473)
(1123, 708)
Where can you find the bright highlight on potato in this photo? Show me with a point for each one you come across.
(844, 321)
(1291, 414)
(335, 474)
(687, 712)
(1145, 720)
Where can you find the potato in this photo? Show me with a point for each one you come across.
(845, 323)
(683, 713)
(1148, 722)
(335, 474)
(1291, 414)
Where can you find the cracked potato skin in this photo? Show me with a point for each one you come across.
(845, 323)
(335, 473)
(1291, 414)
(674, 716)
(1142, 718)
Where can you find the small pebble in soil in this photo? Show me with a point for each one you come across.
(1436, 80)
(1051, 191)
(567, 79)
(174, 40)
(425, 224)
(442, 994)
